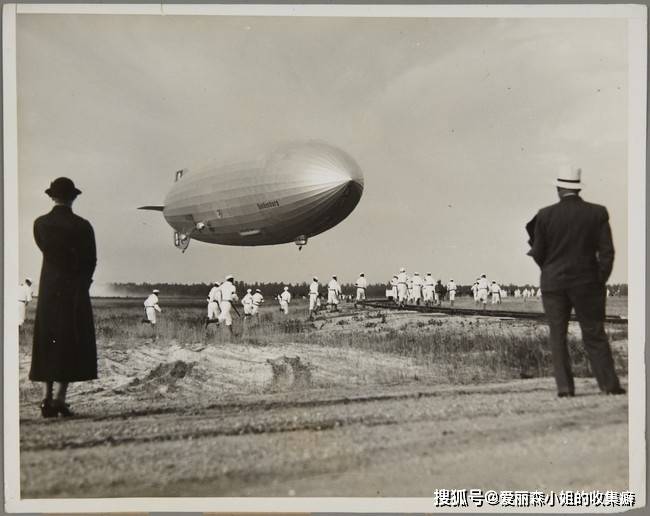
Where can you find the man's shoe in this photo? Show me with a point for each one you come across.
(619, 390)
(565, 394)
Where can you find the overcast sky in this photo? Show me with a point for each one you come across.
(459, 126)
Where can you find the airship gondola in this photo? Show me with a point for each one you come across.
(297, 192)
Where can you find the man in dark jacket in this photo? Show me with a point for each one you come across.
(64, 348)
(572, 243)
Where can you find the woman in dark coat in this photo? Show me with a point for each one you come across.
(64, 347)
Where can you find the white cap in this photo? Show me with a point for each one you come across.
(258, 290)
(569, 178)
(156, 291)
(248, 290)
(29, 279)
(315, 278)
(217, 283)
(416, 273)
(286, 288)
(334, 276)
(402, 269)
(229, 277)
(361, 274)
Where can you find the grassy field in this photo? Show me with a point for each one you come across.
(289, 405)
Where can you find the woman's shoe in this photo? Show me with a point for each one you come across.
(48, 409)
(62, 409)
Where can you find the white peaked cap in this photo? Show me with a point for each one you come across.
(334, 276)
(30, 280)
(361, 274)
(258, 290)
(229, 277)
(569, 177)
(248, 290)
(402, 269)
(286, 288)
(315, 278)
(156, 291)
(416, 273)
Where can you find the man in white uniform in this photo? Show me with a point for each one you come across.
(429, 283)
(402, 288)
(247, 302)
(482, 287)
(416, 288)
(258, 299)
(151, 307)
(361, 285)
(451, 288)
(313, 297)
(474, 289)
(24, 298)
(228, 297)
(393, 288)
(214, 298)
(333, 294)
(496, 293)
(285, 299)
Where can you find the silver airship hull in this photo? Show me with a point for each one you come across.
(299, 191)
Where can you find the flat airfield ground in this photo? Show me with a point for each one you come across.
(385, 404)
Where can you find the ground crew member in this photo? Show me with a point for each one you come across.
(393, 286)
(416, 292)
(402, 287)
(313, 297)
(361, 285)
(451, 288)
(539, 292)
(439, 291)
(228, 297)
(247, 303)
(482, 288)
(496, 293)
(333, 294)
(429, 285)
(571, 241)
(258, 299)
(151, 307)
(517, 293)
(474, 289)
(214, 298)
(285, 299)
(24, 298)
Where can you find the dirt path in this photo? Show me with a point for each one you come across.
(378, 441)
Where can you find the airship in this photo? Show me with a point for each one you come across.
(296, 192)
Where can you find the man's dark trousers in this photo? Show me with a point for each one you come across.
(589, 303)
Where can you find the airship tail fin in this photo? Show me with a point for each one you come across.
(152, 208)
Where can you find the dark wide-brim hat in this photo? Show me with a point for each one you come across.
(62, 188)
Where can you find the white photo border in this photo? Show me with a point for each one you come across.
(637, 55)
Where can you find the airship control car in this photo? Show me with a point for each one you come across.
(300, 190)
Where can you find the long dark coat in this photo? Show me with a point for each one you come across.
(64, 347)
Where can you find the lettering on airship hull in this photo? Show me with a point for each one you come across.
(268, 204)
(311, 187)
